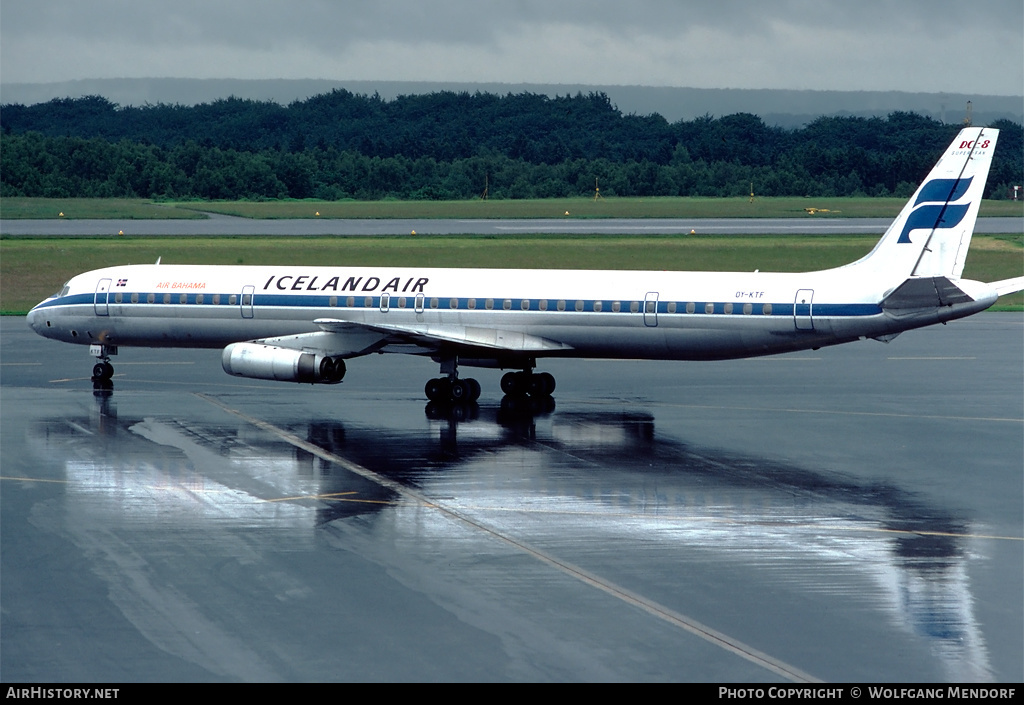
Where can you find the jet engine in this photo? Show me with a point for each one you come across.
(282, 364)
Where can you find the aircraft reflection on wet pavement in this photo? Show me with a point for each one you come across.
(610, 467)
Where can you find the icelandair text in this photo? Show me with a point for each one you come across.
(313, 282)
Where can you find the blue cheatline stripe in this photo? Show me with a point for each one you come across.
(463, 304)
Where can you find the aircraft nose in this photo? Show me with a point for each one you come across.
(33, 319)
(37, 320)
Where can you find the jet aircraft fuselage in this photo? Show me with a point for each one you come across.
(301, 323)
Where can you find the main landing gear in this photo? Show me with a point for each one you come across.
(456, 390)
(513, 384)
(451, 388)
(526, 382)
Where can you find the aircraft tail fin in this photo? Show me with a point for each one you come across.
(932, 233)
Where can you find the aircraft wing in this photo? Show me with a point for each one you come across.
(433, 336)
(351, 339)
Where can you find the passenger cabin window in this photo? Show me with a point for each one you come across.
(690, 307)
(728, 308)
(525, 304)
(616, 306)
(634, 306)
(561, 305)
(709, 308)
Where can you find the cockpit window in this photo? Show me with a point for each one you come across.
(64, 291)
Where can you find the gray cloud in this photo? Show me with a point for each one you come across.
(913, 45)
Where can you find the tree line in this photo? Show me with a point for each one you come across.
(456, 145)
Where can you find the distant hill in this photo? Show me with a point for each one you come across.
(783, 108)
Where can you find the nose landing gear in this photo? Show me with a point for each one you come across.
(102, 370)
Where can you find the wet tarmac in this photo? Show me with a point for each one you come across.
(849, 514)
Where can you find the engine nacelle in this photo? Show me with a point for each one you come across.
(282, 364)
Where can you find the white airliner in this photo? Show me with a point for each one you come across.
(300, 324)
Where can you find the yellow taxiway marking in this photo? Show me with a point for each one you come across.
(834, 412)
(933, 357)
(333, 497)
(328, 496)
(653, 608)
(32, 479)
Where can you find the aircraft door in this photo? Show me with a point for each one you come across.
(100, 300)
(248, 292)
(651, 309)
(803, 306)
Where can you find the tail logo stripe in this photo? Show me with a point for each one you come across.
(942, 190)
(933, 217)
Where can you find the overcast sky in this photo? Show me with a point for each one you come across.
(908, 45)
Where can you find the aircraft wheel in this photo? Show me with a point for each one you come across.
(460, 390)
(474, 389)
(437, 389)
(509, 383)
(102, 370)
(546, 383)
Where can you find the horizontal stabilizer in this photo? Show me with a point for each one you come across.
(1008, 286)
(433, 336)
(925, 292)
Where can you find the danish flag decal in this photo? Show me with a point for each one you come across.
(939, 213)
